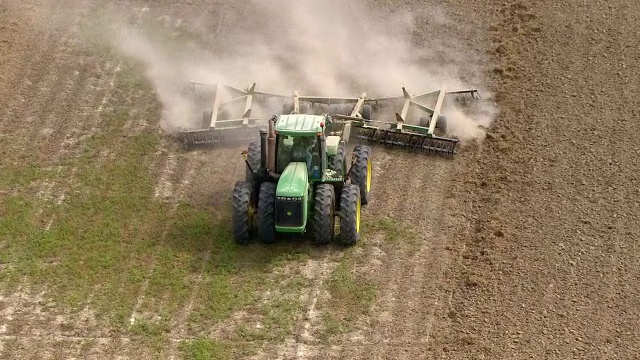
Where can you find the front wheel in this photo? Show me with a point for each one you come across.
(243, 212)
(339, 160)
(253, 158)
(267, 213)
(350, 206)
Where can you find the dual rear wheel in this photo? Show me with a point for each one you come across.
(349, 215)
(254, 212)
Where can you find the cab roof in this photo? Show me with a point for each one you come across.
(299, 124)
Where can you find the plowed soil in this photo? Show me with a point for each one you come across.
(523, 246)
(549, 269)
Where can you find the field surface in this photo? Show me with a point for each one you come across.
(116, 243)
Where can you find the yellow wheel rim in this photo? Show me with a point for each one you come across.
(358, 216)
(369, 176)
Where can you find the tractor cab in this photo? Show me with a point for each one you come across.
(299, 138)
(304, 149)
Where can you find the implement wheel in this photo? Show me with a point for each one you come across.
(305, 107)
(442, 123)
(267, 213)
(367, 112)
(243, 212)
(324, 220)
(350, 207)
(207, 115)
(333, 109)
(361, 171)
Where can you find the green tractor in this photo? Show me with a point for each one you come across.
(298, 179)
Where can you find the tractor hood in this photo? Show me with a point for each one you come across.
(293, 181)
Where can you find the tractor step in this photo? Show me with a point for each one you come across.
(429, 144)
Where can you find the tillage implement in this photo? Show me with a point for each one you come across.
(413, 128)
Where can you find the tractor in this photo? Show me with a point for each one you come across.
(298, 178)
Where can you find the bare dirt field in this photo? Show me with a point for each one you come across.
(116, 243)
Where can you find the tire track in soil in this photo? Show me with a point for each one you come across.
(48, 144)
(37, 95)
(212, 179)
(52, 327)
(57, 331)
(37, 73)
(54, 89)
(78, 88)
(36, 81)
(318, 272)
(169, 191)
(410, 279)
(411, 294)
(64, 88)
(21, 83)
(88, 92)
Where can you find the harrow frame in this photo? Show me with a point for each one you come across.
(398, 133)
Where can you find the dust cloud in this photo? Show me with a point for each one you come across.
(325, 48)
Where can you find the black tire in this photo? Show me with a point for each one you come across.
(323, 219)
(243, 212)
(442, 123)
(367, 112)
(304, 107)
(253, 158)
(287, 107)
(361, 171)
(425, 121)
(224, 115)
(334, 109)
(350, 215)
(346, 109)
(267, 213)
(340, 160)
(206, 118)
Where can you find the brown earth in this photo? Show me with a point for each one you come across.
(549, 270)
(524, 246)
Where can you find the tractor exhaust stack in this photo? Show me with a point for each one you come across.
(263, 148)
